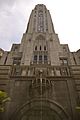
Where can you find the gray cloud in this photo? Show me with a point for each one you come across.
(2, 2)
(5, 4)
(14, 15)
(12, 22)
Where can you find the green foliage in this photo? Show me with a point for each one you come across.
(78, 108)
(3, 98)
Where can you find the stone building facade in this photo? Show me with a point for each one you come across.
(41, 76)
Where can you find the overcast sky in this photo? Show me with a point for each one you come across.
(14, 15)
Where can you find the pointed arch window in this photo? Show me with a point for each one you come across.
(44, 47)
(35, 47)
(40, 47)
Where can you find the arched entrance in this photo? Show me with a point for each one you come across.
(40, 110)
(40, 114)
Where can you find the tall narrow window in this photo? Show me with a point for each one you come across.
(35, 47)
(35, 57)
(40, 47)
(40, 21)
(44, 47)
(45, 57)
(40, 57)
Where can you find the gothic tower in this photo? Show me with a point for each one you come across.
(40, 74)
(40, 43)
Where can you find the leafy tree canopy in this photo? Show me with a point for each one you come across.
(3, 98)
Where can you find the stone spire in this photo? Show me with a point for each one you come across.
(40, 20)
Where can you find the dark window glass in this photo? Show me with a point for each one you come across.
(47, 81)
(40, 57)
(36, 48)
(40, 47)
(45, 57)
(35, 57)
(43, 80)
(44, 47)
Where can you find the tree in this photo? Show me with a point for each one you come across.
(3, 99)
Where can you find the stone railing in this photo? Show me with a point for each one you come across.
(35, 71)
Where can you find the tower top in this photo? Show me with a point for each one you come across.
(40, 5)
(40, 20)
